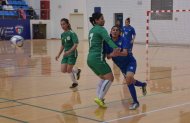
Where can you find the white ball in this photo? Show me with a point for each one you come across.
(17, 40)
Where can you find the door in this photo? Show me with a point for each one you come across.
(77, 24)
(39, 31)
(118, 19)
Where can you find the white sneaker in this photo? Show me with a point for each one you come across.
(133, 106)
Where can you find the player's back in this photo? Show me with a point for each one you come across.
(95, 39)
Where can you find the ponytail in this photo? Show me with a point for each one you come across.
(94, 17)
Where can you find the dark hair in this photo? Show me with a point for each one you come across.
(66, 21)
(128, 19)
(117, 27)
(95, 16)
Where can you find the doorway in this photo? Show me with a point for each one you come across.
(39, 31)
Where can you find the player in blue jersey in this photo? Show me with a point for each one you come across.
(126, 62)
(128, 31)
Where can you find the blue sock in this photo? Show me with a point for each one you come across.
(133, 93)
(139, 83)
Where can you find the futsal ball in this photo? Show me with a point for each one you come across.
(17, 40)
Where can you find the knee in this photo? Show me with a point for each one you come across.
(64, 70)
(112, 78)
(129, 80)
(69, 70)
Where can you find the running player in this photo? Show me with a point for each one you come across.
(96, 58)
(126, 62)
(128, 31)
(69, 41)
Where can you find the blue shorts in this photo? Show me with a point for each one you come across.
(131, 67)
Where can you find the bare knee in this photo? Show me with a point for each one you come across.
(108, 77)
(63, 70)
(129, 80)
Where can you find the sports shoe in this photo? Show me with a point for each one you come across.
(144, 89)
(100, 102)
(78, 74)
(74, 85)
(133, 106)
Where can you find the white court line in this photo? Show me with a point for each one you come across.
(170, 107)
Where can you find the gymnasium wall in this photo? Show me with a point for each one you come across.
(62, 9)
(136, 9)
(161, 31)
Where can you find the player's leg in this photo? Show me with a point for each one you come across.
(71, 62)
(64, 65)
(137, 82)
(99, 87)
(77, 72)
(107, 79)
(141, 84)
(131, 69)
(132, 90)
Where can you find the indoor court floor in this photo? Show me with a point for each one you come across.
(33, 89)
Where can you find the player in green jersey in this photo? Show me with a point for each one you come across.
(69, 45)
(96, 59)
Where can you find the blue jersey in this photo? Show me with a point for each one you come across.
(128, 32)
(121, 61)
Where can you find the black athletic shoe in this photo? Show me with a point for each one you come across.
(78, 74)
(144, 89)
(74, 85)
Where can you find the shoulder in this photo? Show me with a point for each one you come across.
(99, 27)
(72, 33)
(62, 34)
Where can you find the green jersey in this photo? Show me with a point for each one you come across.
(97, 35)
(69, 38)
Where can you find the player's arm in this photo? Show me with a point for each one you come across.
(73, 48)
(107, 50)
(123, 53)
(107, 38)
(134, 35)
(124, 47)
(60, 51)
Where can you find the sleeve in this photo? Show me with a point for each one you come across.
(74, 38)
(107, 38)
(133, 32)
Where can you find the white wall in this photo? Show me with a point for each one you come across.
(62, 9)
(131, 8)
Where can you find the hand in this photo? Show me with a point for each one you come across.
(116, 52)
(66, 53)
(56, 58)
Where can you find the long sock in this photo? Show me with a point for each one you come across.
(72, 76)
(75, 70)
(139, 83)
(99, 87)
(104, 88)
(133, 92)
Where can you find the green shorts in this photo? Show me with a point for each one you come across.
(98, 66)
(69, 60)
